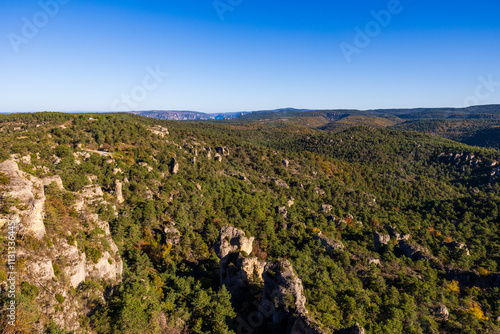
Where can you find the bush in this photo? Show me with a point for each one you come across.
(30, 291)
(93, 254)
(3, 179)
(57, 270)
(60, 298)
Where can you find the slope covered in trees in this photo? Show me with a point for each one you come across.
(417, 215)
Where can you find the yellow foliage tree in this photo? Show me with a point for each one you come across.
(453, 287)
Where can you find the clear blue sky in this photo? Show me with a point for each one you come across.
(264, 54)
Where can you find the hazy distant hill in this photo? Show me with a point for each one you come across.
(174, 115)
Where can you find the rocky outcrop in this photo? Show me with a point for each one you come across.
(75, 264)
(172, 235)
(326, 208)
(174, 166)
(148, 167)
(118, 192)
(284, 293)
(380, 240)
(398, 236)
(418, 252)
(222, 150)
(237, 267)
(39, 269)
(441, 312)
(457, 246)
(281, 210)
(233, 240)
(283, 302)
(284, 289)
(56, 178)
(55, 264)
(285, 163)
(27, 193)
(464, 277)
(92, 193)
(105, 268)
(331, 245)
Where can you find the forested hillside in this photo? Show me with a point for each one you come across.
(367, 229)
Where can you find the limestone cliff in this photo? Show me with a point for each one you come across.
(50, 258)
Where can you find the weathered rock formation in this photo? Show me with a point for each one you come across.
(418, 252)
(283, 290)
(222, 150)
(441, 312)
(398, 236)
(456, 246)
(281, 210)
(56, 178)
(283, 300)
(326, 208)
(118, 191)
(380, 240)
(237, 267)
(172, 235)
(331, 245)
(233, 240)
(174, 166)
(26, 193)
(56, 264)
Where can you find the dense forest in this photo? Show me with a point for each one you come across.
(417, 216)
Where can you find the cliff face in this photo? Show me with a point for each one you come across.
(50, 260)
(283, 301)
(25, 198)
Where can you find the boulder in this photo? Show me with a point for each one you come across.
(326, 208)
(285, 163)
(441, 312)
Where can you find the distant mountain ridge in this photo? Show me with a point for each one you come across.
(473, 112)
(178, 115)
